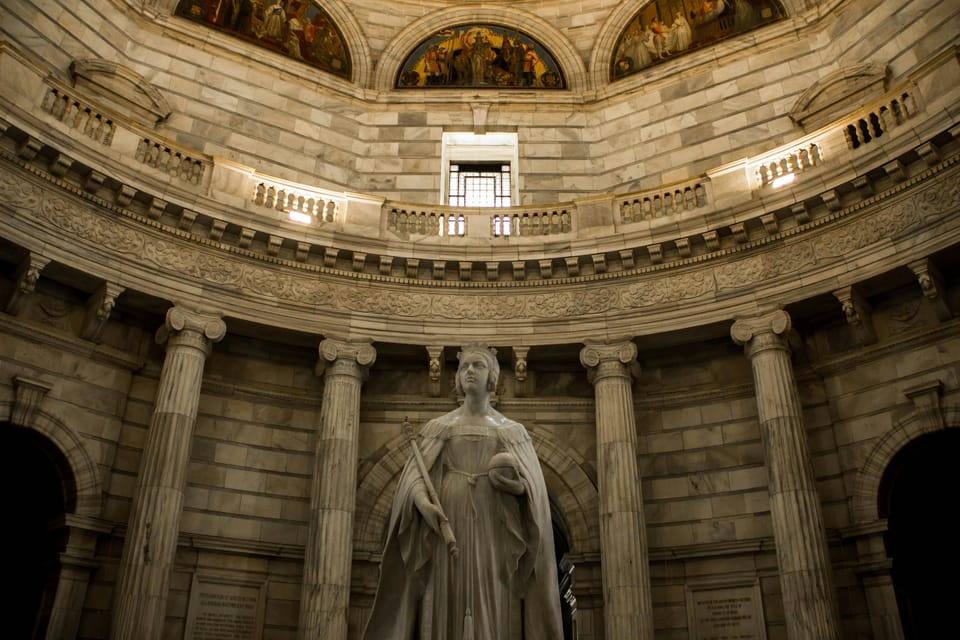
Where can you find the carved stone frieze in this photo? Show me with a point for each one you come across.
(115, 233)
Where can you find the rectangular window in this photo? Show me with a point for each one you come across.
(477, 184)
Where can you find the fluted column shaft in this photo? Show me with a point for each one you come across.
(151, 542)
(802, 553)
(628, 604)
(325, 596)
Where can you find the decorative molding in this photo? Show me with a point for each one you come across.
(122, 89)
(837, 94)
(28, 394)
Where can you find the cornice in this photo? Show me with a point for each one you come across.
(60, 220)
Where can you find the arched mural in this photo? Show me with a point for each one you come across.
(299, 29)
(664, 29)
(480, 55)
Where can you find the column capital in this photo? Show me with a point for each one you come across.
(200, 329)
(610, 359)
(769, 330)
(346, 356)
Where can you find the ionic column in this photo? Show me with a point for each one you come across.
(628, 604)
(802, 554)
(151, 542)
(325, 596)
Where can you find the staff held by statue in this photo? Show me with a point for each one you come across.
(446, 531)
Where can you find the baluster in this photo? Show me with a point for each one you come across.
(271, 197)
(259, 194)
(49, 100)
(141, 154)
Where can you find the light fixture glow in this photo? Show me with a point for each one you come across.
(784, 180)
(297, 216)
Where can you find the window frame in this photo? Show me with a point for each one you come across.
(461, 147)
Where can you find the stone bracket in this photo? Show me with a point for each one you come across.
(28, 394)
(28, 272)
(859, 314)
(99, 306)
(435, 367)
(932, 285)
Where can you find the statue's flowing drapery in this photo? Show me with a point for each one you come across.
(505, 576)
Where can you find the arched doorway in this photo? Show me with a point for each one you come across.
(561, 546)
(919, 493)
(38, 490)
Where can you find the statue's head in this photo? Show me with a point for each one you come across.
(489, 355)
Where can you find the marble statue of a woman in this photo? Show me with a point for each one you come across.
(502, 582)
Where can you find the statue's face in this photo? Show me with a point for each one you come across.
(473, 372)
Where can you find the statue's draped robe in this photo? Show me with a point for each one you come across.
(505, 575)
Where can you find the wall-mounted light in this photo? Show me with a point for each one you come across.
(784, 180)
(297, 216)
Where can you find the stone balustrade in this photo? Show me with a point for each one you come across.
(667, 201)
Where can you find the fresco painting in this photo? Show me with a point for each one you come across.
(299, 29)
(480, 55)
(664, 29)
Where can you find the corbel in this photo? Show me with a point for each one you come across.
(28, 272)
(858, 313)
(98, 309)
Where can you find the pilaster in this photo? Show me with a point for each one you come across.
(802, 553)
(151, 541)
(628, 602)
(325, 596)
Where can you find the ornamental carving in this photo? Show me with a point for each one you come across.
(741, 273)
(885, 223)
(669, 289)
(111, 233)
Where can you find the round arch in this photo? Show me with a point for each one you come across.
(355, 39)
(85, 477)
(865, 508)
(559, 45)
(572, 489)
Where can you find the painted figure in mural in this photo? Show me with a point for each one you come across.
(469, 552)
(275, 21)
(681, 31)
(530, 60)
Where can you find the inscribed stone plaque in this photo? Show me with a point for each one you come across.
(224, 609)
(725, 612)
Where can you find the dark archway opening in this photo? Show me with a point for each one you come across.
(918, 495)
(561, 546)
(38, 490)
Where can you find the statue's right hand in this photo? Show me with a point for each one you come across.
(431, 513)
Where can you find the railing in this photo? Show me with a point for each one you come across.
(530, 223)
(880, 120)
(175, 162)
(78, 116)
(663, 202)
(792, 162)
(300, 204)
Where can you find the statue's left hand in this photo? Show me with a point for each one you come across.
(503, 474)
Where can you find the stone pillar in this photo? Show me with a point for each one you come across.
(325, 597)
(802, 553)
(151, 541)
(77, 563)
(628, 604)
(873, 567)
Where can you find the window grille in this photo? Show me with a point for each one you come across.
(479, 184)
